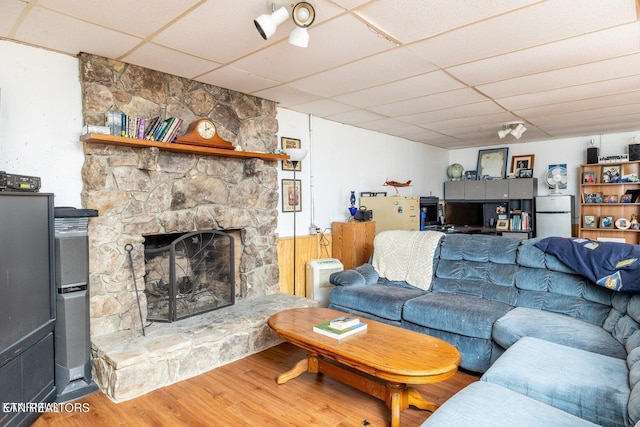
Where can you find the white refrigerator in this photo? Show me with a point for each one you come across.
(554, 214)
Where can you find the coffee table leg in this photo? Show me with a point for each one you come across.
(298, 369)
(416, 400)
(395, 393)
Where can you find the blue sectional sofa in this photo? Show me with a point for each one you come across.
(561, 349)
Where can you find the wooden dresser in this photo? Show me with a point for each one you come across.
(353, 242)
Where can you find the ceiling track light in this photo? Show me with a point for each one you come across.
(303, 14)
(514, 128)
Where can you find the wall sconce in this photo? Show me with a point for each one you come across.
(267, 24)
(514, 128)
(303, 14)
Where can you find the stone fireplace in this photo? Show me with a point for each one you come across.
(146, 191)
(142, 192)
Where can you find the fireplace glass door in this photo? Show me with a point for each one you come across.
(188, 274)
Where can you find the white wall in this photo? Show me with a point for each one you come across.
(41, 119)
(572, 151)
(343, 158)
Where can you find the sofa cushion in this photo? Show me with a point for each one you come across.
(483, 404)
(461, 314)
(588, 385)
(361, 275)
(526, 322)
(381, 300)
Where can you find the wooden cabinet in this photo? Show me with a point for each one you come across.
(352, 242)
(604, 211)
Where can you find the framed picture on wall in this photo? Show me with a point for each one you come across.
(492, 163)
(290, 143)
(291, 195)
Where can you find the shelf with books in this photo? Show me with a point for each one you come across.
(95, 138)
(610, 200)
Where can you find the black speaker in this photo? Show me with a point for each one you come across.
(634, 151)
(592, 155)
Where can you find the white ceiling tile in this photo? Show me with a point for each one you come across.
(238, 80)
(571, 93)
(375, 70)
(572, 76)
(354, 117)
(288, 97)
(411, 20)
(11, 11)
(437, 101)
(541, 23)
(469, 110)
(581, 105)
(223, 33)
(597, 46)
(122, 15)
(325, 107)
(170, 61)
(42, 27)
(411, 87)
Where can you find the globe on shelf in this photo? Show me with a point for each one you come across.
(455, 171)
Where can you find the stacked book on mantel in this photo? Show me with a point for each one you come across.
(154, 129)
(340, 327)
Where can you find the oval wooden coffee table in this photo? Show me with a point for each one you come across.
(380, 361)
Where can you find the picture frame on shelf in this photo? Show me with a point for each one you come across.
(285, 143)
(492, 163)
(524, 161)
(607, 221)
(587, 197)
(610, 174)
(634, 195)
(589, 178)
(626, 198)
(597, 197)
(525, 173)
(470, 175)
(611, 198)
(502, 225)
(589, 221)
(291, 195)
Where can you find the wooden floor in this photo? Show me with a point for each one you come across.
(244, 393)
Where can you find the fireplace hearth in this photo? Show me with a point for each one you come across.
(188, 274)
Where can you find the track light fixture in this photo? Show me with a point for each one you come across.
(303, 14)
(514, 128)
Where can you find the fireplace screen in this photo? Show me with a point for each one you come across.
(188, 274)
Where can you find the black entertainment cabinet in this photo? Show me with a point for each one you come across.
(27, 304)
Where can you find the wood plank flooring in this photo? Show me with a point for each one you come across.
(244, 393)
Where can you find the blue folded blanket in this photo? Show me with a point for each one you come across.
(612, 265)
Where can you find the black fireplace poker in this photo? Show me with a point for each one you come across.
(129, 247)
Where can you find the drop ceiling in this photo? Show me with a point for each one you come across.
(447, 73)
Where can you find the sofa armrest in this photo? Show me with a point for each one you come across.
(358, 276)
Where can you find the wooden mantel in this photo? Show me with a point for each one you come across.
(97, 138)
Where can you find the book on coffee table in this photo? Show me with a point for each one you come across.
(325, 329)
(343, 322)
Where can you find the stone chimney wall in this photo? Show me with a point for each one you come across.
(142, 191)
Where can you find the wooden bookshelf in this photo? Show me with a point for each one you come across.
(591, 176)
(96, 138)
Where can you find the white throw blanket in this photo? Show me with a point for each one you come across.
(406, 255)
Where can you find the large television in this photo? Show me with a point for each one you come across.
(27, 306)
(464, 214)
